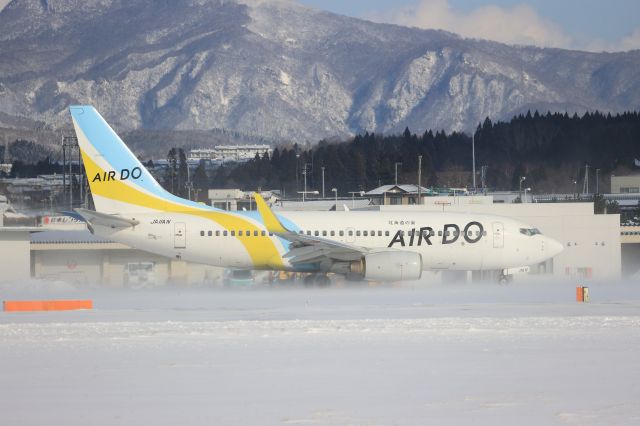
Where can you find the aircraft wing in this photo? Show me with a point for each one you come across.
(306, 248)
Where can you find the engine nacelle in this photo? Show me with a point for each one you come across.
(389, 266)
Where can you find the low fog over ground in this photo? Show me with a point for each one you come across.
(417, 354)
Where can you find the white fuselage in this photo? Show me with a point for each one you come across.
(490, 243)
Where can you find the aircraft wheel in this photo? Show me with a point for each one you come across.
(309, 280)
(323, 281)
(505, 279)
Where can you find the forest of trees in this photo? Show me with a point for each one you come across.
(551, 150)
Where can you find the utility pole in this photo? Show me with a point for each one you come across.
(597, 179)
(473, 156)
(419, 178)
(323, 182)
(397, 172)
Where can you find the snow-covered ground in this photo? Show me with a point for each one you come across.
(437, 354)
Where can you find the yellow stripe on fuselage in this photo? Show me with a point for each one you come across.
(262, 250)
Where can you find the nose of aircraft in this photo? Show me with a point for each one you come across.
(552, 247)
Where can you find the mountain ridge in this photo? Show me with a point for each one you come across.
(282, 70)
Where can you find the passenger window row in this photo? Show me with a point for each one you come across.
(341, 233)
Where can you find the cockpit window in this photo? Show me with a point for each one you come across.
(530, 232)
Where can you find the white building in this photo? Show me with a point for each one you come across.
(625, 184)
(236, 153)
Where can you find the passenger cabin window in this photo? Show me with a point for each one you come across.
(217, 233)
(233, 233)
(333, 233)
(263, 233)
(379, 233)
(210, 233)
(316, 233)
(324, 233)
(386, 233)
(357, 233)
(342, 233)
(239, 233)
(225, 233)
(351, 233)
(202, 233)
(365, 233)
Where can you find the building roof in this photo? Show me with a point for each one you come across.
(401, 189)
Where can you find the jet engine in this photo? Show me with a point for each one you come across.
(388, 266)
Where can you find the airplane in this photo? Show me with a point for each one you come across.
(132, 208)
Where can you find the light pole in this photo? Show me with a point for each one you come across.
(597, 179)
(522, 179)
(322, 181)
(419, 179)
(297, 167)
(335, 191)
(575, 189)
(304, 172)
(353, 197)
(397, 171)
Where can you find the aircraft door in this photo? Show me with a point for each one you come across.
(498, 235)
(179, 235)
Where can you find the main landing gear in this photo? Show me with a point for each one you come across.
(505, 279)
(319, 280)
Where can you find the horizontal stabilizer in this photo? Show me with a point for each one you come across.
(109, 220)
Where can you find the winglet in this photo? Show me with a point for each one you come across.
(270, 220)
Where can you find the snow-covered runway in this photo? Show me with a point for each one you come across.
(467, 354)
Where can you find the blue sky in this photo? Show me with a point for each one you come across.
(578, 24)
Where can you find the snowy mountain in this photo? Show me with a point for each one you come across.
(281, 70)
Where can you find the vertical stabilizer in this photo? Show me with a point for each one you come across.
(119, 182)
